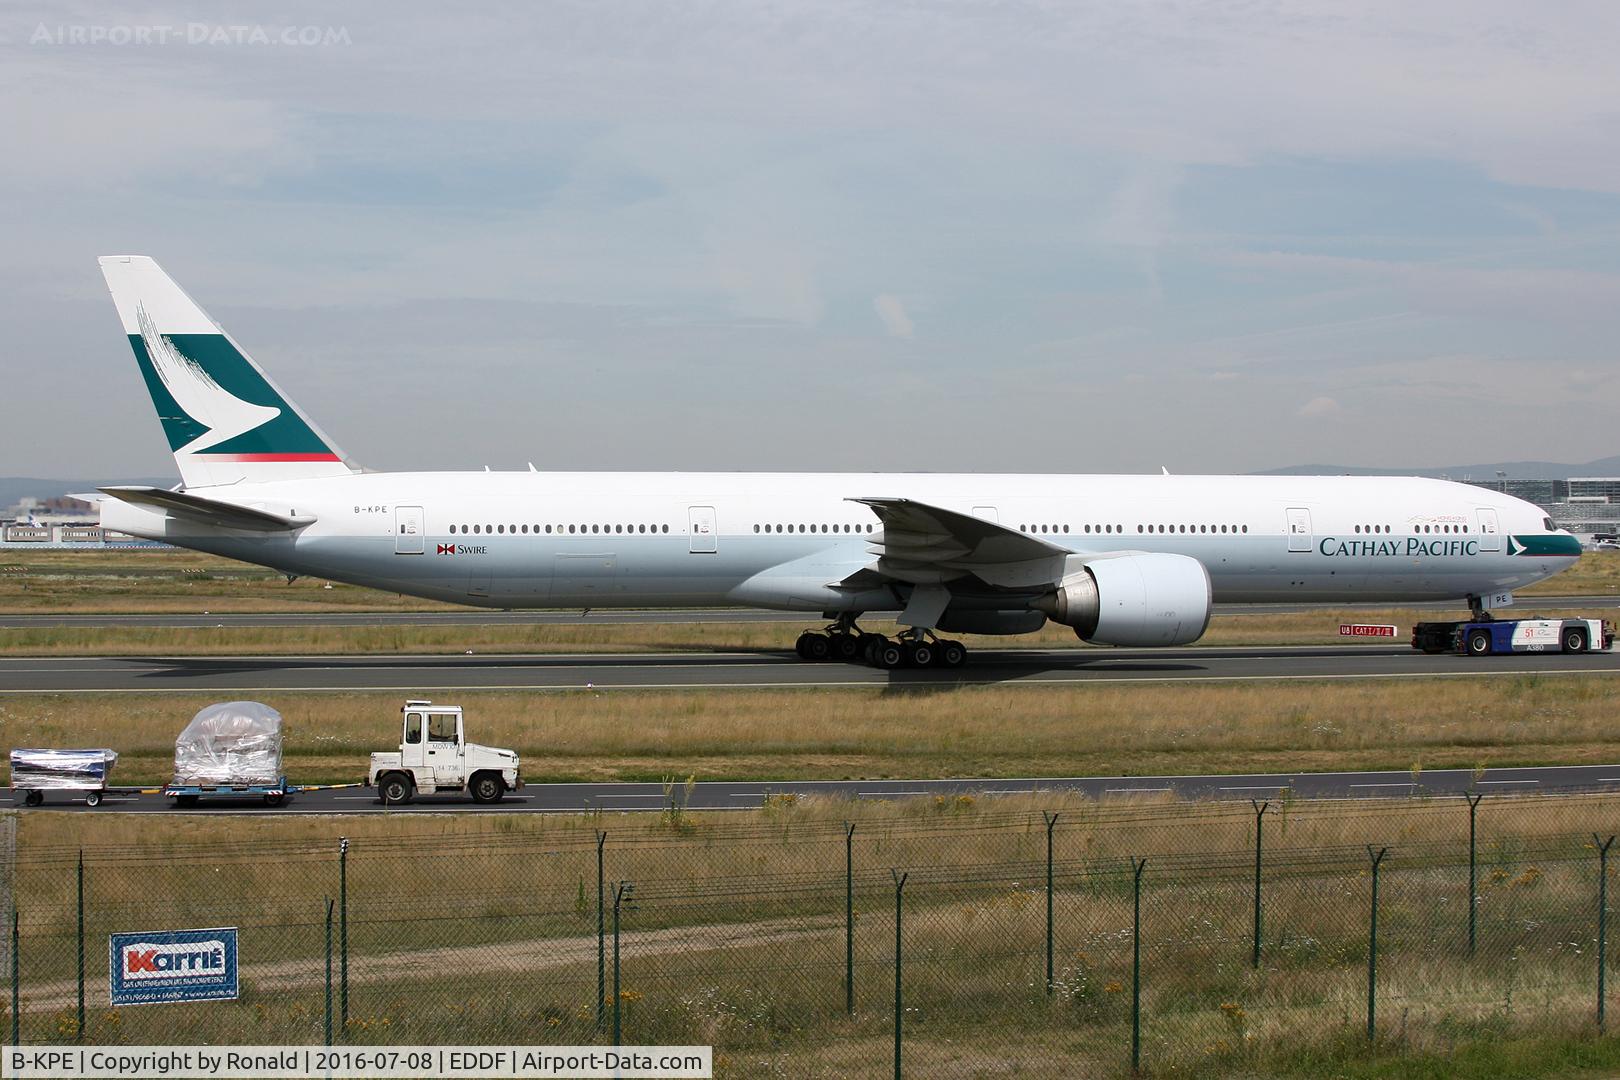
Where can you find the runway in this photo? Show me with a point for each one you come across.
(764, 669)
(479, 617)
(750, 795)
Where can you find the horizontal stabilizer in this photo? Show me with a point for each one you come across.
(209, 511)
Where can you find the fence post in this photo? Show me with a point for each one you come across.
(1051, 821)
(1260, 809)
(1473, 872)
(1137, 866)
(343, 932)
(620, 891)
(601, 935)
(1603, 920)
(849, 918)
(899, 888)
(328, 971)
(16, 993)
(80, 1033)
(1372, 943)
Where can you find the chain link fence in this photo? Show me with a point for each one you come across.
(940, 937)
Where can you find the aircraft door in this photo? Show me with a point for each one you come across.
(408, 539)
(1490, 530)
(704, 538)
(986, 513)
(1299, 529)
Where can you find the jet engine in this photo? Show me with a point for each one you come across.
(1147, 599)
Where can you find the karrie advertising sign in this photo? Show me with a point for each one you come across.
(173, 965)
(1365, 630)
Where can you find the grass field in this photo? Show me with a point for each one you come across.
(978, 731)
(119, 580)
(182, 582)
(472, 929)
(1318, 627)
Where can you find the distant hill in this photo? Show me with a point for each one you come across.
(1517, 470)
(13, 488)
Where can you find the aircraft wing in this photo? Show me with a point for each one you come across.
(929, 545)
(208, 511)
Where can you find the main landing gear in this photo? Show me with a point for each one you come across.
(915, 647)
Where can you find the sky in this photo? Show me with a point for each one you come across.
(1045, 237)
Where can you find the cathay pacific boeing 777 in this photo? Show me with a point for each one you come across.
(1123, 560)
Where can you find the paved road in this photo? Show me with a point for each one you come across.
(478, 617)
(761, 669)
(563, 798)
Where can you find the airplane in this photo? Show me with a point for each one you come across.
(1126, 560)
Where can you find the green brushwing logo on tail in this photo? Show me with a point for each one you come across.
(214, 402)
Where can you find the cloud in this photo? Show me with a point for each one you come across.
(893, 314)
(634, 214)
(1319, 406)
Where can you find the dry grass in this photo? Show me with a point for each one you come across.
(976, 731)
(1316, 627)
(736, 937)
(146, 580)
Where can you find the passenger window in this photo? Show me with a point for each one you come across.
(442, 727)
(413, 728)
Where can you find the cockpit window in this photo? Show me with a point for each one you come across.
(1547, 523)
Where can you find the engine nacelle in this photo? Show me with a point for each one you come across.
(1147, 599)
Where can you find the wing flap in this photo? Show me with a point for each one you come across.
(208, 511)
(926, 545)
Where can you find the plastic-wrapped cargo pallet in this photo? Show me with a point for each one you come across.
(60, 770)
(236, 743)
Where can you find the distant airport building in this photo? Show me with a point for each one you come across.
(36, 535)
(1582, 504)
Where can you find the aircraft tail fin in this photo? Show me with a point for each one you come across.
(225, 420)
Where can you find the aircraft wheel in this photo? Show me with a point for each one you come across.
(951, 654)
(920, 654)
(1479, 642)
(802, 646)
(870, 644)
(889, 655)
(817, 647)
(845, 646)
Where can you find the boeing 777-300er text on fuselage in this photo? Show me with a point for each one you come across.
(1124, 560)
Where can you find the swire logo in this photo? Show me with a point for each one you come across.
(447, 549)
(462, 549)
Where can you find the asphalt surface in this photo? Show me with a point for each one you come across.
(479, 617)
(749, 795)
(764, 669)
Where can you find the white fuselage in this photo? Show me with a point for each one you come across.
(779, 540)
